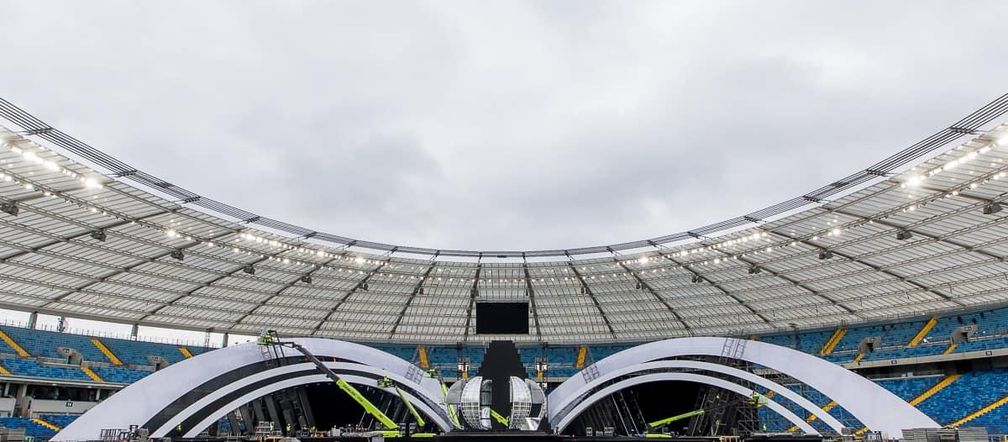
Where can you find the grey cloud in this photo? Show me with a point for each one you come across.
(501, 124)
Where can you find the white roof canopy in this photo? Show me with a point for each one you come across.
(96, 238)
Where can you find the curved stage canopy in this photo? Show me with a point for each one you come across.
(874, 406)
(194, 393)
(686, 377)
(635, 370)
(85, 235)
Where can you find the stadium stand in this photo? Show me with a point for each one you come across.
(975, 397)
(60, 420)
(43, 343)
(35, 369)
(119, 374)
(31, 427)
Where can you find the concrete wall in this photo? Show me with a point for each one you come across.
(48, 406)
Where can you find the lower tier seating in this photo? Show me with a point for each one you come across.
(31, 428)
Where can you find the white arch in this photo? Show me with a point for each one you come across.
(688, 377)
(781, 390)
(293, 382)
(209, 399)
(141, 401)
(876, 407)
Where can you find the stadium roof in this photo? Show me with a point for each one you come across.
(83, 234)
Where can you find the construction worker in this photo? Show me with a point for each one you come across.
(265, 338)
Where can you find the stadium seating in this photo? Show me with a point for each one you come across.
(961, 398)
(137, 352)
(60, 420)
(45, 343)
(407, 352)
(31, 428)
(32, 368)
(908, 388)
(119, 374)
(598, 352)
(971, 392)
(992, 333)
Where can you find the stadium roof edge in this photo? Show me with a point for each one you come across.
(969, 125)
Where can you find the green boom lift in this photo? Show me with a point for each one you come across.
(271, 339)
(669, 420)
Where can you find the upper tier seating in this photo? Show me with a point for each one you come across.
(32, 368)
(137, 352)
(120, 374)
(46, 344)
(992, 333)
(407, 352)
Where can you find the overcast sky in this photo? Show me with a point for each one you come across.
(501, 125)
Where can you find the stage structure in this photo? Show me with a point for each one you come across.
(874, 406)
(185, 398)
(195, 393)
(500, 397)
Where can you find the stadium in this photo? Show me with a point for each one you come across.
(874, 307)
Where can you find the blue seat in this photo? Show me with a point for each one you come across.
(31, 428)
(60, 420)
(32, 368)
(47, 343)
(121, 375)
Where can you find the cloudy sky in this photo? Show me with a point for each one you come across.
(501, 124)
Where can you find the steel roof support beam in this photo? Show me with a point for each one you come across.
(40, 195)
(126, 269)
(964, 194)
(791, 281)
(286, 286)
(209, 283)
(718, 287)
(588, 291)
(531, 295)
(877, 217)
(966, 126)
(854, 259)
(82, 234)
(359, 285)
(647, 287)
(473, 292)
(937, 238)
(412, 296)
